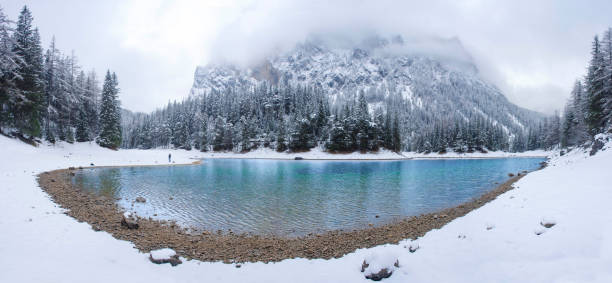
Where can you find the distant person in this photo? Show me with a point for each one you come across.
(169, 157)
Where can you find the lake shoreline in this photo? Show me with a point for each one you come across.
(367, 159)
(103, 214)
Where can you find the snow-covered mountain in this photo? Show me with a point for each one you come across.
(442, 81)
(345, 96)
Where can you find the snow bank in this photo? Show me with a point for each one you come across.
(43, 245)
(162, 254)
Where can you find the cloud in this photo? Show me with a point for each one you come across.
(525, 47)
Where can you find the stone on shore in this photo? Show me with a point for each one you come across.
(380, 275)
(129, 222)
(164, 256)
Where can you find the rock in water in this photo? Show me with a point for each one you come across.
(141, 200)
(164, 256)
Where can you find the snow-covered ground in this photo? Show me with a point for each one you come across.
(496, 243)
(490, 154)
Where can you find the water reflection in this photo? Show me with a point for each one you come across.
(298, 197)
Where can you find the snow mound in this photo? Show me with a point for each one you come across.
(380, 264)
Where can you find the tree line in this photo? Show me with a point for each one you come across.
(46, 94)
(588, 112)
(299, 118)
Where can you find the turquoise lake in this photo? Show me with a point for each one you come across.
(294, 198)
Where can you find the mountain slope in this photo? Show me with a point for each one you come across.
(429, 87)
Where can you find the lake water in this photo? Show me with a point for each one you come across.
(293, 198)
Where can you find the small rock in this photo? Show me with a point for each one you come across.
(510, 175)
(396, 264)
(91, 164)
(70, 168)
(129, 222)
(548, 223)
(377, 216)
(380, 275)
(141, 199)
(238, 265)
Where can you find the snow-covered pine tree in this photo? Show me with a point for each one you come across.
(29, 102)
(396, 141)
(595, 85)
(574, 129)
(110, 116)
(9, 72)
(606, 47)
(82, 133)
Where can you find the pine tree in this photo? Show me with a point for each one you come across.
(281, 145)
(595, 84)
(28, 104)
(9, 66)
(606, 46)
(395, 134)
(82, 133)
(110, 116)
(204, 141)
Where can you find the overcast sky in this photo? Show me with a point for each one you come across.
(532, 50)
